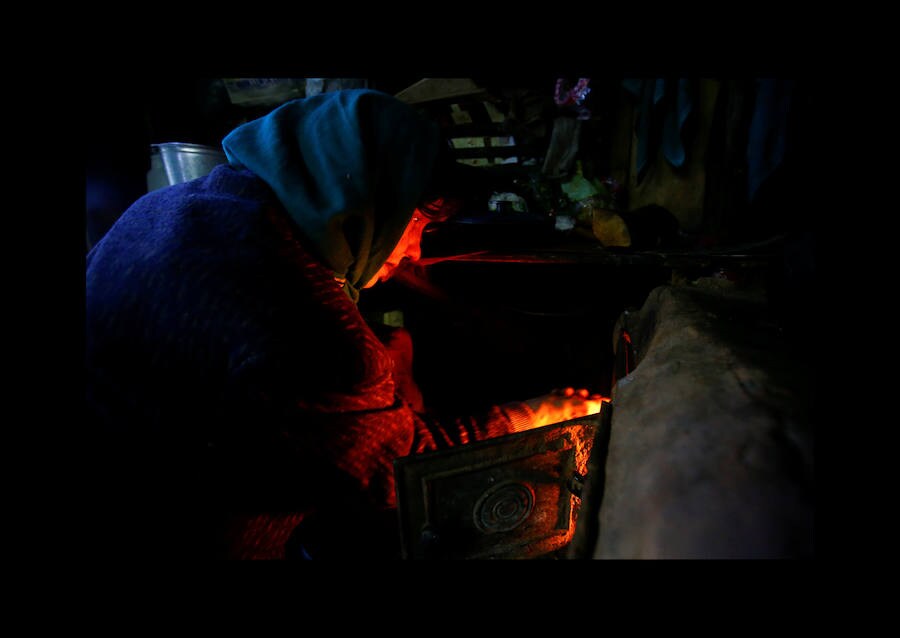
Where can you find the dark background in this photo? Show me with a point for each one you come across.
(509, 331)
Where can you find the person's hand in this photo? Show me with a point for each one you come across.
(564, 404)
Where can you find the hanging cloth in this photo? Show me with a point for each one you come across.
(662, 111)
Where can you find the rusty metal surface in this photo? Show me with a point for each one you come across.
(509, 497)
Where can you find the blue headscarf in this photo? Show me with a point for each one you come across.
(349, 167)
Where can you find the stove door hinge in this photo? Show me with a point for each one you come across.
(576, 485)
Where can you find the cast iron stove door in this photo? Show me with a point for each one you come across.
(515, 496)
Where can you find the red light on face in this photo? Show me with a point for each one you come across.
(408, 247)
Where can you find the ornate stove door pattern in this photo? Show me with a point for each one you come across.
(515, 496)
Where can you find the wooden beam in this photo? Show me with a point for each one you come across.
(431, 89)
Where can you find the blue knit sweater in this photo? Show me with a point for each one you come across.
(228, 373)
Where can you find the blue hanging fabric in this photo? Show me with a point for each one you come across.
(663, 108)
(768, 131)
(673, 127)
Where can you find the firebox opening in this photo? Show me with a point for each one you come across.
(512, 331)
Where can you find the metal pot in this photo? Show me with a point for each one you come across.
(176, 162)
